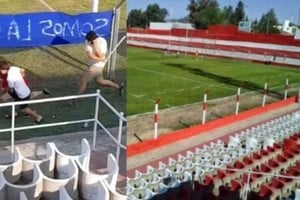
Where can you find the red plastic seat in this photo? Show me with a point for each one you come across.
(277, 146)
(235, 185)
(283, 162)
(238, 165)
(265, 191)
(265, 168)
(289, 143)
(219, 180)
(265, 155)
(289, 184)
(247, 160)
(258, 180)
(277, 187)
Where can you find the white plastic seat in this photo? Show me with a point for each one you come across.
(226, 159)
(142, 193)
(233, 141)
(12, 171)
(189, 167)
(251, 144)
(297, 194)
(113, 170)
(162, 173)
(137, 183)
(47, 164)
(63, 194)
(114, 195)
(32, 190)
(198, 175)
(102, 191)
(65, 175)
(151, 178)
(137, 174)
(2, 186)
(23, 196)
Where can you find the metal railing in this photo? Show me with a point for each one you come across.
(96, 121)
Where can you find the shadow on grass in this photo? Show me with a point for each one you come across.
(61, 56)
(225, 80)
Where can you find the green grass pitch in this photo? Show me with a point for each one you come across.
(183, 80)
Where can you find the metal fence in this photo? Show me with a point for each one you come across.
(98, 97)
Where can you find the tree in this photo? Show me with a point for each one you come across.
(268, 23)
(156, 14)
(239, 13)
(204, 12)
(137, 18)
(228, 15)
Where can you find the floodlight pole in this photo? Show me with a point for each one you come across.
(95, 4)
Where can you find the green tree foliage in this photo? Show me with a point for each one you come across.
(137, 18)
(267, 23)
(153, 13)
(156, 14)
(204, 12)
(239, 13)
(228, 15)
(234, 17)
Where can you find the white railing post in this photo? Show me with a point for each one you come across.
(286, 88)
(95, 120)
(204, 107)
(237, 105)
(299, 95)
(13, 110)
(119, 136)
(95, 4)
(156, 118)
(265, 94)
(247, 188)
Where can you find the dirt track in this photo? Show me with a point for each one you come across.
(188, 115)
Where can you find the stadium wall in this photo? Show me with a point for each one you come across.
(147, 145)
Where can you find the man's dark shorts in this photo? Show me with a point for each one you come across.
(17, 98)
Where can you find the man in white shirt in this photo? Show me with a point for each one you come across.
(96, 49)
(18, 88)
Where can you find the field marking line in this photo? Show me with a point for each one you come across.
(196, 87)
(47, 5)
(151, 100)
(138, 95)
(180, 90)
(178, 77)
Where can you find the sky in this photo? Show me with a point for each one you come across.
(284, 9)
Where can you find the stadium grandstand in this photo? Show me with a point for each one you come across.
(221, 41)
(253, 155)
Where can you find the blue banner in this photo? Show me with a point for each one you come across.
(51, 28)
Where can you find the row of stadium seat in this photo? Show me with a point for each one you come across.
(58, 176)
(248, 150)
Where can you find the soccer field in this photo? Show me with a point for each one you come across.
(183, 80)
